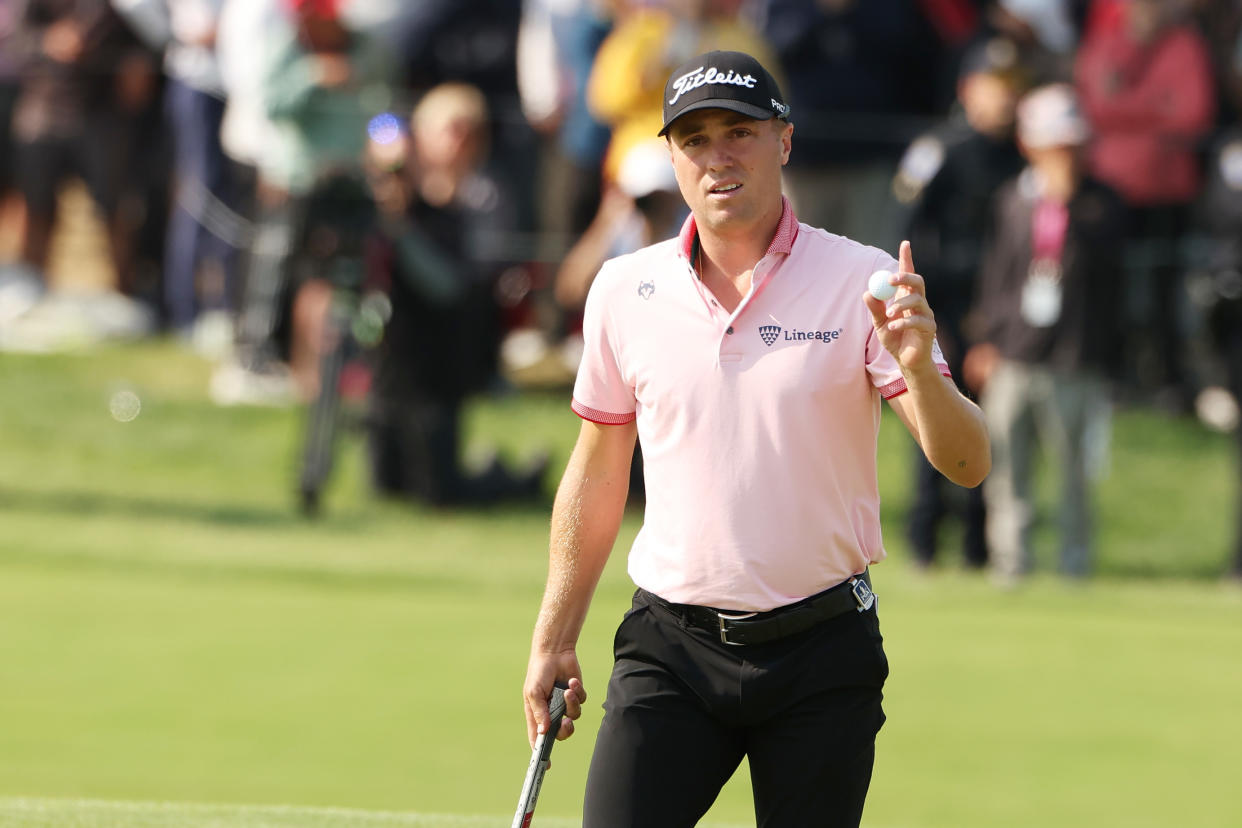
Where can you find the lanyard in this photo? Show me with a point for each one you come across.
(1049, 224)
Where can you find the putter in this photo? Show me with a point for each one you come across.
(539, 760)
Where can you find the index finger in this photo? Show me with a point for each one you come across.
(537, 713)
(905, 258)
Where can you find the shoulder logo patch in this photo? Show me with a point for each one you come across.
(646, 289)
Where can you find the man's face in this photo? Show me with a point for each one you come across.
(988, 101)
(448, 141)
(728, 166)
(1056, 161)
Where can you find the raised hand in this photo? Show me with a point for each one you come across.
(905, 325)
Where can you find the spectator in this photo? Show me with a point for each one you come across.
(1045, 31)
(475, 42)
(643, 206)
(322, 80)
(428, 361)
(1047, 320)
(1146, 85)
(946, 183)
(1220, 23)
(200, 262)
(557, 46)
(863, 78)
(254, 373)
(627, 81)
(199, 256)
(1220, 218)
(84, 80)
(11, 209)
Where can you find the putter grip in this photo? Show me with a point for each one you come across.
(556, 712)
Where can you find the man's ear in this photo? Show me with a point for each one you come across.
(786, 141)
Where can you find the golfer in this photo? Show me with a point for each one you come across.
(749, 359)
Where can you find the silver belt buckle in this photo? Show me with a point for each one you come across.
(724, 632)
(862, 594)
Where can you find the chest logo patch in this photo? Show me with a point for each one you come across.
(770, 333)
(646, 289)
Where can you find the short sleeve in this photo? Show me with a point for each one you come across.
(601, 392)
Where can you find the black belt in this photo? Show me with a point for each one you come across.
(762, 627)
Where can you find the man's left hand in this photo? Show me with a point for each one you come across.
(905, 324)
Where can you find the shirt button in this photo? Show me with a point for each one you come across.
(729, 329)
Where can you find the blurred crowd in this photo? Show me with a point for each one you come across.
(428, 189)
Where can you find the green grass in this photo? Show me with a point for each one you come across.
(172, 631)
(80, 813)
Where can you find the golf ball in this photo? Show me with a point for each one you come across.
(124, 406)
(879, 286)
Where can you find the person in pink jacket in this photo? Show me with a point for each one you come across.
(1145, 81)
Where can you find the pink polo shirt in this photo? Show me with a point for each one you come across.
(758, 428)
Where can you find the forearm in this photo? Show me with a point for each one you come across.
(583, 261)
(949, 428)
(575, 562)
(585, 520)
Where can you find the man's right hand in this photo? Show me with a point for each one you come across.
(544, 671)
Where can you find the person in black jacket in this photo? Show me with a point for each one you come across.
(947, 181)
(1046, 320)
(85, 80)
(437, 210)
(1220, 217)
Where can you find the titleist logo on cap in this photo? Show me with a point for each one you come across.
(697, 77)
(722, 80)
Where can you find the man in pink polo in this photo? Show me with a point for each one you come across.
(749, 359)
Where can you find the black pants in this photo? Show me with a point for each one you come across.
(1232, 349)
(683, 709)
(1155, 341)
(413, 446)
(935, 498)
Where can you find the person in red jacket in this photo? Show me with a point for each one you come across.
(1145, 81)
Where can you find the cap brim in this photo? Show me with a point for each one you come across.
(749, 110)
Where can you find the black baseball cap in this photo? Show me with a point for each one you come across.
(723, 80)
(995, 56)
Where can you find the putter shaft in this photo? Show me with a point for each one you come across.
(539, 760)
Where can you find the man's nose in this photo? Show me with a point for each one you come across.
(719, 158)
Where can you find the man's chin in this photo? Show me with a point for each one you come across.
(725, 216)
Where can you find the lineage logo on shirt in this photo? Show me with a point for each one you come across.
(770, 333)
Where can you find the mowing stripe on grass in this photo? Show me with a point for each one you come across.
(22, 812)
(94, 813)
